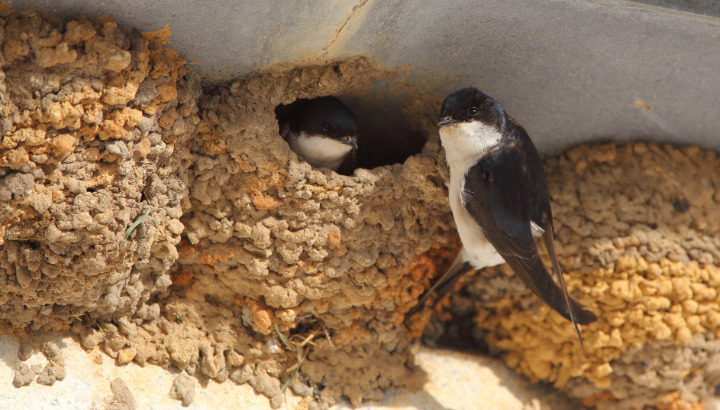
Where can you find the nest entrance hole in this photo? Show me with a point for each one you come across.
(392, 125)
(385, 134)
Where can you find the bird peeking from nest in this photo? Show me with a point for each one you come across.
(322, 131)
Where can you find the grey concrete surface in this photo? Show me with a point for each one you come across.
(707, 7)
(571, 71)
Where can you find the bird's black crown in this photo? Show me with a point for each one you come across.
(470, 104)
(318, 116)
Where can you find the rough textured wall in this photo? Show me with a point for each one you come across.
(279, 244)
(91, 116)
(638, 228)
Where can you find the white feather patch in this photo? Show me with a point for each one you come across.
(465, 143)
(464, 194)
(537, 231)
(319, 151)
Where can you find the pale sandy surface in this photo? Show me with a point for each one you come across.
(456, 381)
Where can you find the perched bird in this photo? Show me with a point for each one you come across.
(322, 130)
(499, 199)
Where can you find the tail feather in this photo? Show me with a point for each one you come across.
(586, 315)
(536, 277)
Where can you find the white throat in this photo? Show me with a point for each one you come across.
(465, 143)
(319, 151)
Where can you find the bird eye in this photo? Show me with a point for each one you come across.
(473, 111)
(325, 127)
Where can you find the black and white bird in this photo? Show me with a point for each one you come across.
(321, 130)
(499, 199)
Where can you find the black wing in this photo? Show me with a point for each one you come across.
(502, 192)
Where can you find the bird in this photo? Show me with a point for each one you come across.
(322, 130)
(499, 200)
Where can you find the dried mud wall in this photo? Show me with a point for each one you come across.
(171, 225)
(286, 248)
(91, 118)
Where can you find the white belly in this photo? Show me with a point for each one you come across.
(319, 151)
(476, 248)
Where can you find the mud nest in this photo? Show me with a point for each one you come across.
(171, 225)
(94, 123)
(106, 161)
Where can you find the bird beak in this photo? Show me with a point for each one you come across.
(350, 140)
(446, 121)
